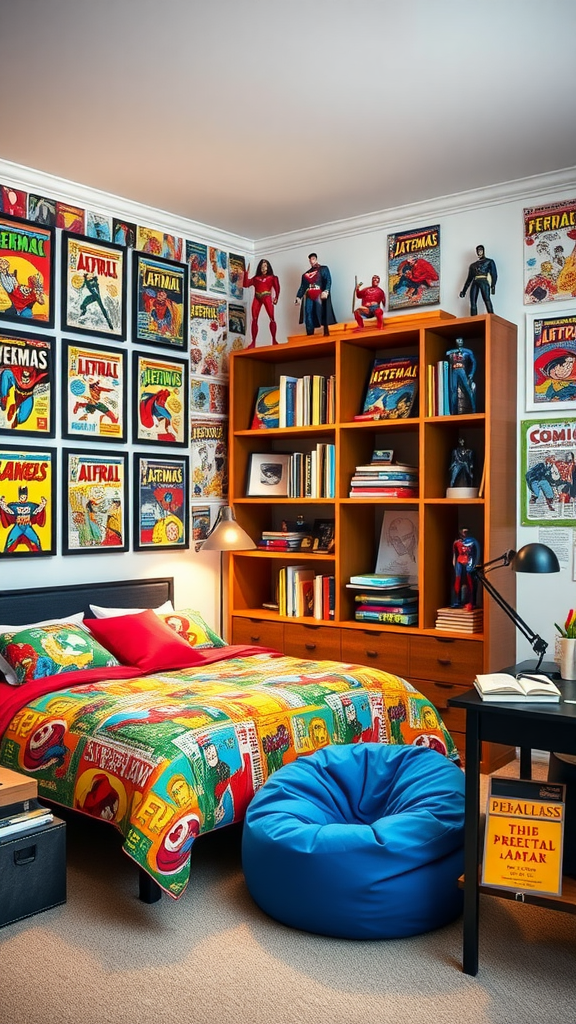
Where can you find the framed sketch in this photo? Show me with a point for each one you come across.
(398, 548)
(548, 468)
(26, 272)
(93, 287)
(268, 475)
(160, 301)
(159, 400)
(94, 390)
(27, 400)
(161, 502)
(27, 502)
(551, 361)
(95, 502)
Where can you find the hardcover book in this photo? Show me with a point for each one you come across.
(500, 686)
(392, 388)
(267, 408)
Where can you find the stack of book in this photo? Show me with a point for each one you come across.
(19, 807)
(387, 599)
(384, 480)
(280, 540)
(459, 620)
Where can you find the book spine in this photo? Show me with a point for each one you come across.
(391, 617)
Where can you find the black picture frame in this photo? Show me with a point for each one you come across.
(159, 418)
(92, 481)
(39, 478)
(161, 501)
(27, 384)
(84, 366)
(159, 321)
(90, 309)
(26, 267)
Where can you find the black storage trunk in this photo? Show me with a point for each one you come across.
(32, 871)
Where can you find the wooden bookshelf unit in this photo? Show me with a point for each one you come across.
(441, 665)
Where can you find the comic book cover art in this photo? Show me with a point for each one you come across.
(123, 232)
(95, 502)
(160, 304)
(94, 393)
(93, 287)
(13, 201)
(237, 326)
(551, 361)
(27, 400)
(27, 502)
(208, 397)
(26, 272)
(208, 459)
(197, 260)
(70, 218)
(548, 454)
(414, 268)
(98, 225)
(159, 400)
(392, 388)
(161, 519)
(550, 252)
(201, 524)
(236, 268)
(209, 346)
(157, 243)
(217, 269)
(42, 210)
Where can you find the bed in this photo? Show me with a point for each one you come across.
(172, 744)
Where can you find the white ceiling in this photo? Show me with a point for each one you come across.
(265, 116)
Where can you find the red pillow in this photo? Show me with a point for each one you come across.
(144, 641)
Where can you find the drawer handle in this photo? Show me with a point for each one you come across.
(306, 626)
(254, 639)
(310, 647)
(444, 661)
(371, 654)
(445, 686)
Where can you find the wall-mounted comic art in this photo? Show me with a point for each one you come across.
(157, 243)
(208, 460)
(217, 270)
(124, 232)
(551, 362)
(209, 353)
(94, 393)
(550, 252)
(236, 269)
(161, 493)
(26, 272)
(159, 400)
(160, 305)
(42, 210)
(13, 201)
(27, 502)
(414, 268)
(548, 472)
(208, 397)
(70, 218)
(27, 401)
(98, 225)
(93, 287)
(95, 502)
(197, 260)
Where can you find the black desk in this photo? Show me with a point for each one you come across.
(528, 726)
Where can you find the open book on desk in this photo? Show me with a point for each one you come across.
(500, 686)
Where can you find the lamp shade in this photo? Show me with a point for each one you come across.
(535, 558)
(227, 535)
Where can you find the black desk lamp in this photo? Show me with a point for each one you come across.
(226, 535)
(530, 558)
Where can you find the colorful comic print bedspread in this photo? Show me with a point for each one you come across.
(169, 757)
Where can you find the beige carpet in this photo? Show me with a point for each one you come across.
(214, 958)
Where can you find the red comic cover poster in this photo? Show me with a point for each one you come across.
(26, 273)
(414, 268)
(550, 252)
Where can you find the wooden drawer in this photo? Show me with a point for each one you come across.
(308, 641)
(387, 651)
(445, 659)
(439, 694)
(262, 632)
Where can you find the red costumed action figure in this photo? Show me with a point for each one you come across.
(373, 302)
(267, 291)
(465, 558)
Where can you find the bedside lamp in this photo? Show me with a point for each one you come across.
(226, 535)
(533, 558)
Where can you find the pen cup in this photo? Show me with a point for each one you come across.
(568, 658)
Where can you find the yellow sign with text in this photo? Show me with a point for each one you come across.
(524, 836)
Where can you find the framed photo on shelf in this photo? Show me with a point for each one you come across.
(95, 502)
(27, 400)
(551, 361)
(548, 472)
(268, 475)
(322, 538)
(161, 502)
(26, 272)
(160, 408)
(93, 287)
(94, 393)
(160, 301)
(28, 502)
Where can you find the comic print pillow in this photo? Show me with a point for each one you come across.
(190, 625)
(35, 651)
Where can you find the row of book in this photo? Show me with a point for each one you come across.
(313, 474)
(381, 479)
(20, 810)
(385, 599)
(437, 389)
(302, 593)
(306, 401)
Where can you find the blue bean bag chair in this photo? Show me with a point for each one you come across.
(363, 841)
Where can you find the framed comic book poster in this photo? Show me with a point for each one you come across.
(414, 268)
(27, 400)
(209, 346)
(208, 460)
(93, 287)
(550, 252)
(551, 361)
(27, 502)
(26, 272)
(94, 388)
(160, 301)
(161, 496)
(159, 400)
(548, 468)
(95, 502)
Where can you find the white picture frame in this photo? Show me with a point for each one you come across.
(551, 334)
(268, 475)
(398, 548)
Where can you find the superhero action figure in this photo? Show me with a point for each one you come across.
(461, 465)
(462, 389)
(266, 293)
(313, 297)
(465, 558)
(373, 302)
(482, 277)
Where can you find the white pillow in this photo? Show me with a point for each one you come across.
(111, 613)
(77, 619)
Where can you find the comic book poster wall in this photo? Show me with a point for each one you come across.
(158, 243)
(208, 397)
(159, 400)
(551, 362)
(208, 460)
(237, 325)
(550, 252)
(27, 502)
(217, 270)
(197, 260)
(94, 390)
(27, 401)
(26, 273)
(548, 472)
(209, 348)
(93, 287)
(414, 268)
(95, 502)
(236, 268)
(160, 301)
(161, 494)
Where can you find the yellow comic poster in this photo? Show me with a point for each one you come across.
(27, 501)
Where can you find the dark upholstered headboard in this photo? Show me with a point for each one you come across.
(22, 606)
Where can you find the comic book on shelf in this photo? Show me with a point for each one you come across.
(392, 388)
